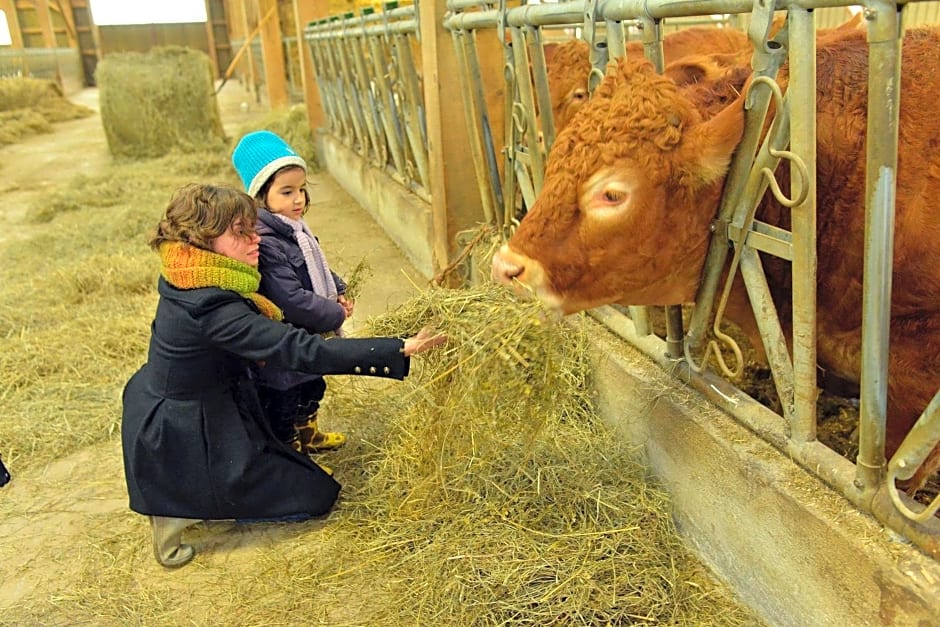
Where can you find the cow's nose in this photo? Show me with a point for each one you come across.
(504, 269)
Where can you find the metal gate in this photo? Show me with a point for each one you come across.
(372, 99)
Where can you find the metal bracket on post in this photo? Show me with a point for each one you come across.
(913, 452)
(758, 31)
(501, 25)
(598, 49)
(653, 42)
(417, 21)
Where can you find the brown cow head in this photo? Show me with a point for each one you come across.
(631, 187)
(568, 66)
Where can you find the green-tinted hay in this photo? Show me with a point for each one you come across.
(131, 180)
(356, 278)
(29, 106)
(159, 102)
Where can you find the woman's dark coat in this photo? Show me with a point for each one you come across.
(286, 282)
(196, 444)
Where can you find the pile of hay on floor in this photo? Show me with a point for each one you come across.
(30, 105)
(154, 103)
(140, 181)
(495, 496)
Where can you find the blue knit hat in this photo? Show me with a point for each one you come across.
(259, 155)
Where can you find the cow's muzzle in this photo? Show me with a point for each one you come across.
(507, 266)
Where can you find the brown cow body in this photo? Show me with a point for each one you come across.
(568, 65)
(633, 184)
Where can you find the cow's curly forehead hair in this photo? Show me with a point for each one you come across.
(197, 214)
(633, 113)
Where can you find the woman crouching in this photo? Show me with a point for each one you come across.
(196, 444)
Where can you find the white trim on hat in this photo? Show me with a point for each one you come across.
(268, 171)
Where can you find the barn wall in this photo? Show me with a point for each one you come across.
(794, 550)
(61, 65)
(143, 37)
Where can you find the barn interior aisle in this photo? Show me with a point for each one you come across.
(58, 519)
(76, 300)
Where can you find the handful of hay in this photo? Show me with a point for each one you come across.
(154, 103)
(496, 496)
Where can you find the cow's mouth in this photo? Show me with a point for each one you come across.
(527, 277)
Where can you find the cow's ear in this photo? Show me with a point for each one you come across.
(708, 146)
(548, 49)
(691, 69)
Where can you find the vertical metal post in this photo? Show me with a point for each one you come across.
(767, 59)
(540, 78)
(344, 44)
(414, 126)
(802, 101)
(472, 93)
(370, 146)
(319, 73)
(653, 49)
(384, 88)
(526, 95)
(884, 89)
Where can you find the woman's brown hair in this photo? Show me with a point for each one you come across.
(197, 214)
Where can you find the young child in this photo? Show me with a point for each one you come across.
(297, 278)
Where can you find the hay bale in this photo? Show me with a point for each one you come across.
(158, 102)
(29, 106)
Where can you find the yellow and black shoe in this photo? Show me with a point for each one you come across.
(312, 440)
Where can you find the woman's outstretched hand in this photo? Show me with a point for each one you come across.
(424, 340)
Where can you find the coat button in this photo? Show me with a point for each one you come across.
(357, 370)
(386, 370)
(371, 369)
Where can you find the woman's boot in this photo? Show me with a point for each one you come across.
(312, 440)
(166, 540)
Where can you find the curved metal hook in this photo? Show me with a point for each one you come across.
(774, 89)
(712, 348)
(920, 517)
(797, 161)
(518, 117)
(509, 73)
(594, 79)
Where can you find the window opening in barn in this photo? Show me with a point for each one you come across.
(111, 12)
(5, 38)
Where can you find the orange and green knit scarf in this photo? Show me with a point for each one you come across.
(187, 267)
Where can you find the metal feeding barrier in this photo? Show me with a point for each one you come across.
(372, 97)
(371, 91)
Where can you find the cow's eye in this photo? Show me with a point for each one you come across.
(614, 196)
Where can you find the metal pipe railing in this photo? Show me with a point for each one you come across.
(605, 23)
(884, 78)
(802, 85)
